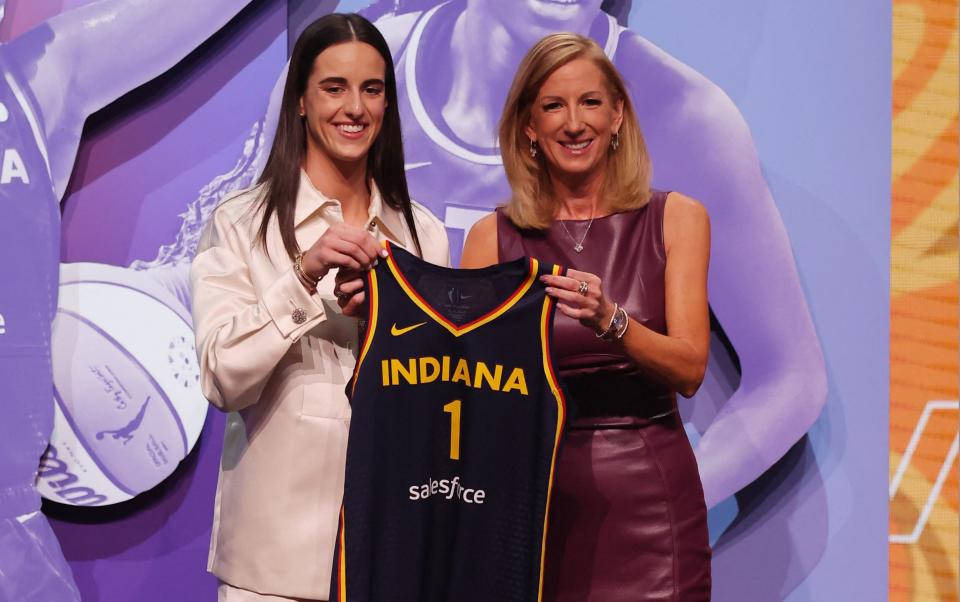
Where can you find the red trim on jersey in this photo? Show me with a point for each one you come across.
(553, 381)
(373, 308)
(457, 330)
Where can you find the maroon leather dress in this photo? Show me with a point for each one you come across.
(627, 517)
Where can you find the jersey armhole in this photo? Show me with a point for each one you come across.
(557, 393)
(373, 315)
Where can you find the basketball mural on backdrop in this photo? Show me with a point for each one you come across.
(128, 401)
(128, 328)
(125, 406)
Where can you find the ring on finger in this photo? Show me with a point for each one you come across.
(339, 294)
(582, 289)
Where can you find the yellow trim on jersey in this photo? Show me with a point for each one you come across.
(454, 329)
(373, 298)
(561, 417)
(342, 568)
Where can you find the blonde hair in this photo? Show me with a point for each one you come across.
(627, 183)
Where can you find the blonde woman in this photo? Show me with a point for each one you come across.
(627, 519)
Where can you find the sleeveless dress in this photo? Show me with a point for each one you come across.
(628, 519)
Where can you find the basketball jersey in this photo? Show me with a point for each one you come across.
(456, 421)
(30, 252)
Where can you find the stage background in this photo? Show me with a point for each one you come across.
(924, 533)
(814, 84)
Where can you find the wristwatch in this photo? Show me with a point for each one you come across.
(618, 325)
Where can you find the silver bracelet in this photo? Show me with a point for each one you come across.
(612, 327)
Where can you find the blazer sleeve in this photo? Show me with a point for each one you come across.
(242, 331)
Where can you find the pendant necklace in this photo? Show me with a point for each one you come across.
(578, 245)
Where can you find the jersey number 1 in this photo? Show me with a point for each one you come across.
(453, 408)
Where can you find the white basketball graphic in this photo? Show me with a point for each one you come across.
(126, 380)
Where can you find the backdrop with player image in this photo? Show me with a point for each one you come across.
(782, 135)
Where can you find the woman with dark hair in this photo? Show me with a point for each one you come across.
(275, 350)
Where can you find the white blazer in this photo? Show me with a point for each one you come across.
(282, 381)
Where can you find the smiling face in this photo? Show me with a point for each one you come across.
(344, 102)
(573, 119)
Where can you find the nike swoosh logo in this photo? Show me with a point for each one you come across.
(398, 331)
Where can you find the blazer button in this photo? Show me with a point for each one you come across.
(299, 315)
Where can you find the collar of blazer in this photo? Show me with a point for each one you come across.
(387, 220)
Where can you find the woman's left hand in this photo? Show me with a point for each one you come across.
(349, 289)
(585, 303)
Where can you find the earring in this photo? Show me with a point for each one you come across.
(533, 149)
(615, 141)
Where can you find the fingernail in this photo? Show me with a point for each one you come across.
(376, 262)
(384, 253)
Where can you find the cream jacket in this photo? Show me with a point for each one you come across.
(282, 381)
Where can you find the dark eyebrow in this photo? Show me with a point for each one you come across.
(342, 81)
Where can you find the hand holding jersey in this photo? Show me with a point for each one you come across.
(580, 296)
(342, 246)
(352, 251)
(351, 297)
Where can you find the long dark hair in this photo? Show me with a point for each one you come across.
(281, 175)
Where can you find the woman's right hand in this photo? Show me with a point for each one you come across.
(341, 246)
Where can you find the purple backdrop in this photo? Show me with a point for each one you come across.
(151, 165)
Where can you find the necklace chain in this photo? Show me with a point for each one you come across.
(578, 245)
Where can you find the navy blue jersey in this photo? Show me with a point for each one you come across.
(457, 417)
